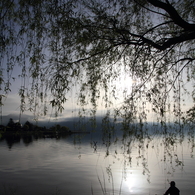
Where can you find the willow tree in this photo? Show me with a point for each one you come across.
(93, 45)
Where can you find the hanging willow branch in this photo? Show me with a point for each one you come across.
(92, 46)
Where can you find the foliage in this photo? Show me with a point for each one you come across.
(58, 128)
(28, 126)
(11, 123)
(16, 127)
(91, 46)
(191, 115)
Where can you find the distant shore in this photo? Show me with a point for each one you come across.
(28, 129)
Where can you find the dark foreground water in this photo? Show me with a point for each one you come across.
(73, 166)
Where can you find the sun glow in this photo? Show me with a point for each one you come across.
(131, 183)
(122, 87)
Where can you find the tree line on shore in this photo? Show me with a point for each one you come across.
(30, 127)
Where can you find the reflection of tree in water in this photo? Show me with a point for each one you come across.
(27, 139)
(16, 138)
(12, 139)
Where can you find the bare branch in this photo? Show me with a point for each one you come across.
(171, 41)
(173, 14)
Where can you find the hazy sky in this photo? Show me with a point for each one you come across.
(12, 104)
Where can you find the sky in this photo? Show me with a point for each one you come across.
(11, 107)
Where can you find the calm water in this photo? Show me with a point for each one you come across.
(65, 166)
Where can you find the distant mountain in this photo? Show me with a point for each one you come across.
(5, 119)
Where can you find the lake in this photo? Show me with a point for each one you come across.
(86, 164)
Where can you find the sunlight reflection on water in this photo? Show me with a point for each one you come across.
(47, 165)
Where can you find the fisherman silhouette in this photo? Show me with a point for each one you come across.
(172, 190)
